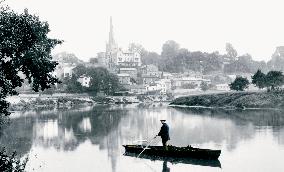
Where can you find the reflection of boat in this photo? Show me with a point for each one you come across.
(193, 161)
(174, 152)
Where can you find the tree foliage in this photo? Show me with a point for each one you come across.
(239, 84)
(274, 79)
(101, 80)
(259, 79)
(205, 86)
(24, 48)
(169, 52)
(65, 57)
(231, 52)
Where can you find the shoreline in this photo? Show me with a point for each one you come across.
(233, 100)
(27, 102)
(224, 108)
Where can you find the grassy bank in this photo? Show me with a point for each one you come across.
(234, 100)
(50, 103)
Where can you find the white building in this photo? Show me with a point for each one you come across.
(167, 75)
(162, 86)
(223, 87)
(181, 82)
(165, 85)
(63, 70)
(84, 80)
(67, 71)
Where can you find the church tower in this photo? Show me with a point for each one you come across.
(111, 45)
(111, 48)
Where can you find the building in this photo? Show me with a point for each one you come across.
(131, 71)
(222, 87)
(63, 70)
(124, 78)
(84, 80)
(167, 75)
(186, 81)
(166, 85)
(117, 58)
(153, 88)
(67, 71)
(162, 86)
(151, 70)
(148, 79)
(138, 89)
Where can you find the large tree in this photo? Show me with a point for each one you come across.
(239, 84)
(274, 79)
(168, 56)
(259, 79)
(103, 80)
(24, 48)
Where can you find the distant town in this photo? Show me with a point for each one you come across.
(176, 72)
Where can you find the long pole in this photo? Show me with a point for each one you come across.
(146, 147)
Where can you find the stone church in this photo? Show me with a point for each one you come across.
(116, 58)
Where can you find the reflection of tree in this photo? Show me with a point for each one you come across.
(272, 118)
(232, 126)
(102, 122)
(61, 130)
(18, 135)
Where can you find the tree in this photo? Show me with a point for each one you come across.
(168, 56)
(170, 49)
(102, 80)
(239, 84)
(259, 79)
(65, 57)
(274, 79)
(24, 48)
(79, 70)
(231, 52)
(204, 86)
(134, 47)
(148, 58)
(73, 86)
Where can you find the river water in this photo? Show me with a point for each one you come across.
(91, 139)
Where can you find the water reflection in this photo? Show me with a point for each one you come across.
(192, 161)
(165, 167)
(104, 129)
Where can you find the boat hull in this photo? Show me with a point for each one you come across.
(173, 151)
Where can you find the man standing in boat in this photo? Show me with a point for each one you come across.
(164, 133)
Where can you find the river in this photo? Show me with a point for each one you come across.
(91, 139)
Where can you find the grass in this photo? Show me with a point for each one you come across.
(236, 99)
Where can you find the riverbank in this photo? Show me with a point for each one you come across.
(26, 102)
(46, 102)
(234, 100)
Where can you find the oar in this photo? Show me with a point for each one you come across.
(146, 146)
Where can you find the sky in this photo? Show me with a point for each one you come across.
(251, 26)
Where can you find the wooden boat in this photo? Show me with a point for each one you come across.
(174, 151)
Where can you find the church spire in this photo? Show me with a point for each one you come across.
(111, 38)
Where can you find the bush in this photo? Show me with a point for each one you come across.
(11, 163)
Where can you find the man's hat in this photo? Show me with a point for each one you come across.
(162, 120)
